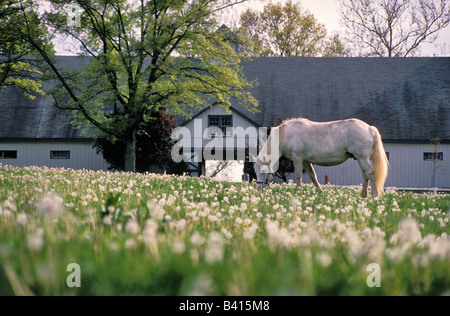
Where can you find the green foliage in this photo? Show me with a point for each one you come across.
(334, 47)
(17, 67)
(282, 30)
(153, 145)
(162, 235)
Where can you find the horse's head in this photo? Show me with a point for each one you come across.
(263, 173)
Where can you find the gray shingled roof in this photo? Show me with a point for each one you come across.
(408, 99)
(22, 118)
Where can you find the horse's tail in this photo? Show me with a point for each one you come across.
(380, 161)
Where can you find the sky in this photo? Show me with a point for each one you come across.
(327, 13)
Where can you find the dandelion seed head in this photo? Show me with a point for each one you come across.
(202, 286)
(215, 249)
(50, 207)
(132, 227)
(130, 244)
(197, 239)
(107, 220)
(22, 219)
(35, 241)
(409, 231)
(324, 259)
(178, 247)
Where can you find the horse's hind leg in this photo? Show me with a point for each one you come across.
(312, 174)
(369, 175)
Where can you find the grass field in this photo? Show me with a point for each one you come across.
(161, 235)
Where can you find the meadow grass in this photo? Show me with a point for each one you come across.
(134, 234)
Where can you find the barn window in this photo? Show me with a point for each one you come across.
(8, 154)
(436, 156)
(224, 122)
(60, 154)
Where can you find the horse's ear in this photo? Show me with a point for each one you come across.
(253, 158)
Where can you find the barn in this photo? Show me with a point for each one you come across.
(408, 99)
(36, 133)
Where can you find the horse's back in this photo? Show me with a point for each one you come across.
(352, 122)
(328, 143)
(349, 128)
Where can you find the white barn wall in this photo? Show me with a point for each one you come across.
(408, 169)
(37, 153)
(238, 121)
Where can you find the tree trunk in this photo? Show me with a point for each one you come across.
(130, 151)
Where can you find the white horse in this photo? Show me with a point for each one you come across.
(309, 143)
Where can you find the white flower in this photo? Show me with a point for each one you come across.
(178, 247)
(50, 207)
(357, 247)
(132, 227)
(150, 233)
(36, 241)
(202, 286)
(196, 239)
(250, 232)
(324, 259)
(181, 225)
(278, 236)
(409, 232)
(156, 209)
(215, 252)
(113, 247)
(22, 219)
(440, 249)
(9, 206)
(375, 249)
(5, 213)
(107, 220)
(130, 244)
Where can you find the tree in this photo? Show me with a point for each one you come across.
(282, 31)
(142, 55)
(393, 28)
(153, 145)
(16, 67)
(253, 42)
(334, 47)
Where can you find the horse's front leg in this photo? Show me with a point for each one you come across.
(312, 174)
(298, 165)
(365, 189)
(299, 176)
